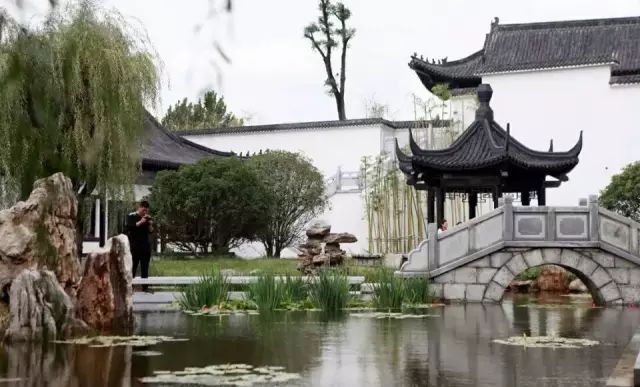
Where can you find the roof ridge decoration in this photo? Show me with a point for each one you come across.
(540, 46)
(485, 144)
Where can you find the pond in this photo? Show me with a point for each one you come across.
(453, 346)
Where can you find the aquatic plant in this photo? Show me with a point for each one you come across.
(417, 291)
(295, 289)
(267, 293)
(211, 289)
(546, 342)
(389, 291)
(330, 290)
(223, 375)
(119, 341)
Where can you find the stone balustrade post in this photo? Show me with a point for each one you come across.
(432, 238)
(594, 218)
(507, 223)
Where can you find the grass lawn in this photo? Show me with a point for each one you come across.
(198, 266)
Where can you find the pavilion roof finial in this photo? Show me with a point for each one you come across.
(484, 96)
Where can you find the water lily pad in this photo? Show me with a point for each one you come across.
(547, 342)
(223, 374)
(119, 341)
(396, 316)
(147, 353)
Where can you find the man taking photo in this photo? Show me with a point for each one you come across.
(139, 228)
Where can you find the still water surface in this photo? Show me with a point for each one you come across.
(453, 348)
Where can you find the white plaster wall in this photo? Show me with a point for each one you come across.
(558, 104)
(328, 148)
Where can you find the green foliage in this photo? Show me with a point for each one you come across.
(330, 291)
(531, 273)
(267, 293)
(210, 290)
(441, 90)
(389, 291)
(208, 112)
(324, 36)
(296, 196)
(295, 289)
(417, 291)
(622, 195)
(209, 206)
(72, 101)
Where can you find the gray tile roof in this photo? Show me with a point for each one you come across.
(162, 149)
(486, 144)
(315, 125)
(531, 46)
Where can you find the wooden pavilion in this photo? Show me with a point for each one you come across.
(484, 159)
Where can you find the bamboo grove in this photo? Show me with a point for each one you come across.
(395, 212)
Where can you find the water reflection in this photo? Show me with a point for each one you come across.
(453, 349)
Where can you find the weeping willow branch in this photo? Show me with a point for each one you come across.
(73, 97)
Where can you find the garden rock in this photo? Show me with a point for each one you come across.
(105, 298)
(41, 232)
(552, 278)
(40, 309)
(340, 238)
(318, 229)
(577, 286)
(322, 248)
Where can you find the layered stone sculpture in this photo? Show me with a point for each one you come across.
(41, 233)
(40, 309)
(322, 248)
(105, 294)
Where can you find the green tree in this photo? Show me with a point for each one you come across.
(72, 100)
(324, 37)
(296, 190)
(622, 195)
(210, 206)
(209, 112)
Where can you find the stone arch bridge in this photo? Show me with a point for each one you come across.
(477, 260)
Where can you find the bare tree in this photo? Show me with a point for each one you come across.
(324, 38)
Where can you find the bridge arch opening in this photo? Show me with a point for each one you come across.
(598, 280)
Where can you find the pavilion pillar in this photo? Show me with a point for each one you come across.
(525, 198)
(497, 193)
(431, 206)
(440, 211)
(542, 196)
(473, 203)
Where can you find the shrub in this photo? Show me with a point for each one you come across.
(389, 291)
(330, 291)
(211, 289)
(417, 291)
(267, 293)
(531, 273)
(210, 206)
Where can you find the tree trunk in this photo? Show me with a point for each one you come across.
(340, 106)
(268, 246)
(278, 250)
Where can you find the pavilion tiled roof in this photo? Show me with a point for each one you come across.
(548, 45)
(485, 144)
(162, 149)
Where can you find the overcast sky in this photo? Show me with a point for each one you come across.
(274, 76)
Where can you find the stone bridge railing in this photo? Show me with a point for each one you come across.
(585, 226)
